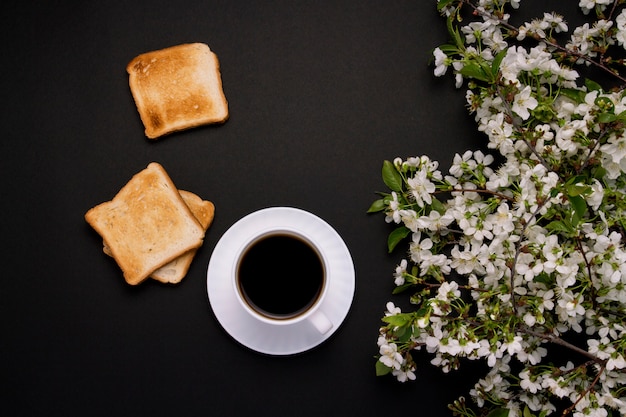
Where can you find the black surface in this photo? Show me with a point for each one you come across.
(320, 93)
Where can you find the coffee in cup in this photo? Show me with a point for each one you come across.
(280, 275)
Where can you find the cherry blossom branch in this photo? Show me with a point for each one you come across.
(481, 12)
(525, 219)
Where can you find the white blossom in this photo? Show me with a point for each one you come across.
(421, 188)
(528, 384)
(589, 5)
(400, 271)
(420, 248)
(435, 222)
(448, 290)
(442, 62)
(392, 309)
(404, 374)
(393, 212)
(390, 356)
(620, 20)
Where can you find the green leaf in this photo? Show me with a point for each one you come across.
(396, 237)
(438, 206)
(606, 117)
(527, 412)
(401, 288)
(403, 334)
(499, 412)
(377, 206)
(599, 172)
(554, 192)
(391, 176)
(449, 49)
(455, 34)
(543, 278)
(441, 4)
(497, 60)
(475, 71)
(592, 85)
(559, 226)
(574, 94)
(580, 207)
(397, 320)
(382, 369)
(574, 190)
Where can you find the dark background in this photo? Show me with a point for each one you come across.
(320, 93)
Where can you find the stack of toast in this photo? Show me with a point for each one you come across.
(151, 228)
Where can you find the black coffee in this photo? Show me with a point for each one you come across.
(280, 276)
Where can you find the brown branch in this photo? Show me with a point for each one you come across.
(558, 341)
(582, 394)
(583, 253)
(432, 285)
(592, 151)
(469, 190)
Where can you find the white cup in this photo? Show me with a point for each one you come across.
(280, 277)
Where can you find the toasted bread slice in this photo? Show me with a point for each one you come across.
(177, 88)
(176, 270)
(147, 224)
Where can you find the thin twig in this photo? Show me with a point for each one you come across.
(558, 341)
(592, 151)
(582, 394)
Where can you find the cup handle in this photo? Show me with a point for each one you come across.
(321, 322)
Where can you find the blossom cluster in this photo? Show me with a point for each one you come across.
(514, 253)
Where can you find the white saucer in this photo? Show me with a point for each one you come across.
(275, 339)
